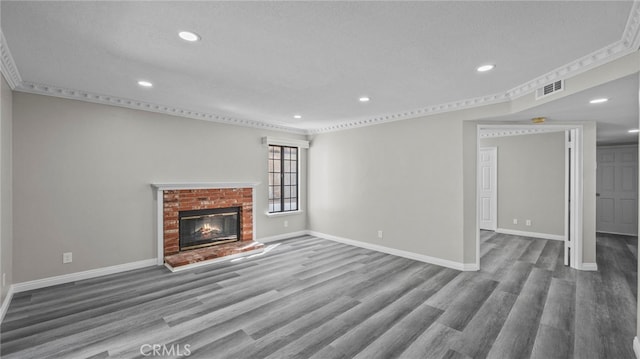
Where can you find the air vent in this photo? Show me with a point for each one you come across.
(549, 89)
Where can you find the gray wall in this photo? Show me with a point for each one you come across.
(6, 208)
(82, 175)
(82, 172)
(416, 181)
(531, 171)
(407, 178)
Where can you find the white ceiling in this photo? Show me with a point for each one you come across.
(259, 63)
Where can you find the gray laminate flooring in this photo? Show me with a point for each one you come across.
(313, 298)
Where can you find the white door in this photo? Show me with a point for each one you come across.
(617, 190)
(487, 188)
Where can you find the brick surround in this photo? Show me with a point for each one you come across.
(193, 199)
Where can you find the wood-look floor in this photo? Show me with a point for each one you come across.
(313, 298)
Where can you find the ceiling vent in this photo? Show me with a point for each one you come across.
(548, 89)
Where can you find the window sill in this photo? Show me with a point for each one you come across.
(281, 214)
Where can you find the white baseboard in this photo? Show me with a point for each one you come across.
(282, 236)
(589, 267)
(398, 252)
(555, 237)
(5, 303)
(470, 267)
(618, 233)
(636, 347)
(72, 277)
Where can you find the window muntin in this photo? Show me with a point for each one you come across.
(283, 179)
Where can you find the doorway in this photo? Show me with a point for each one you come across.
(569, 228)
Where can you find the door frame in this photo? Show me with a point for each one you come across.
(573, 234)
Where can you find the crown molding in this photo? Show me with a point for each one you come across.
(507, 132)
(431, 110)
(631, 35)
(56, 91)
(629, 43)
(8, 65)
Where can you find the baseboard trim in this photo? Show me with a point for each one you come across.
(618, 233)
(398, 252)
(555, 237)
(636, 347)
(589, 267)
(283, 236)
(5, 303)
(72, 277)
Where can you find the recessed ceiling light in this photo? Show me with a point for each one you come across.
(364, 99)
(297, 117)
(144, 83)
(189, 36)
(599, 100)
(485, 68)
(634, 130)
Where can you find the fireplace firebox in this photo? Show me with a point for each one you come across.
(208, 227)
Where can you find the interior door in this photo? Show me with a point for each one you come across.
(617, 190)
(487, 191)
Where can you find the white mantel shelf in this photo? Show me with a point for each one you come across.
(202, 185)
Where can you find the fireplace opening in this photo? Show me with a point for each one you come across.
(208, 227)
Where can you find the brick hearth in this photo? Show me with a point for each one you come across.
(178, 200)
(208, 253)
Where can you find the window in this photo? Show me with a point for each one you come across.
(283, 179)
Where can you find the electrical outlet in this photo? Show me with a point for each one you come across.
(286, 223)
(67, 257)
(515, 221)
(528, 222)
(380, 234)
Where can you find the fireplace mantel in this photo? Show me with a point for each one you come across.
(161, 188)
(202, 185)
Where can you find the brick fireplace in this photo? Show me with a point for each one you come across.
(175, 200)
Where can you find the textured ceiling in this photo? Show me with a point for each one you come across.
(263, 62)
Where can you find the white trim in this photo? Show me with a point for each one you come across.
(617, 233)
(430, 110)
(73, 277)
(81, 95)
(504, 132)
(589, 267)
(555, 237)
(567, 198)
(6, 302)
(283, 236)
(202, 185)
(577, 203)
(159, 226)
(282, 214)
(285, 142)
(398, 252)
(636, 347)
(8, 65)
(213, 260)
(470, 267)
